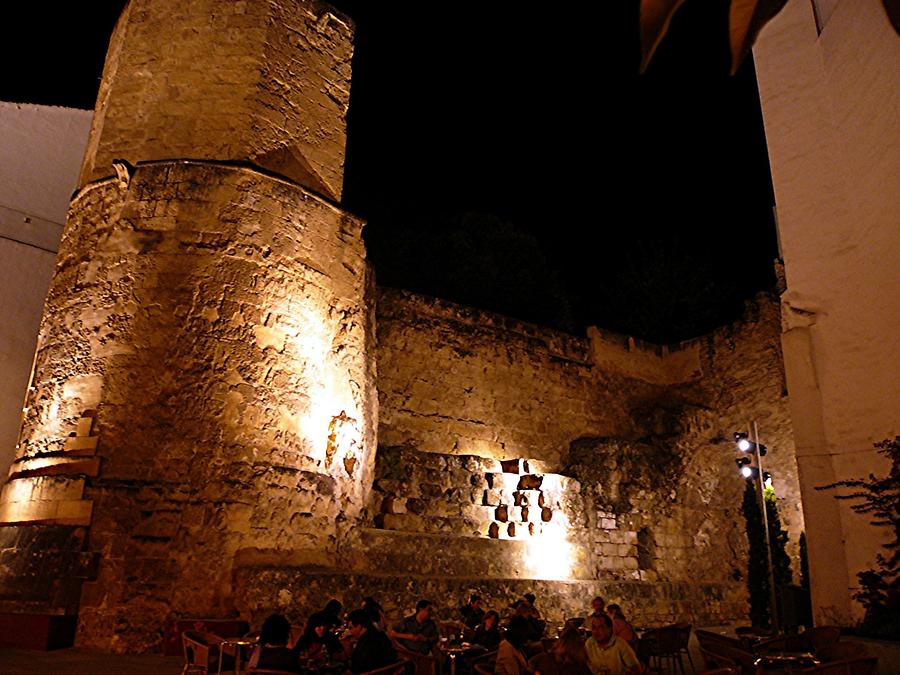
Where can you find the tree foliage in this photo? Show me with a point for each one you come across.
(473, 259)
(880, 587)
(758, 563)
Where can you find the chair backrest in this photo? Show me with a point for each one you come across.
(390, 669)
(684, 634)
(708, 639)
(841, 651)
(822, 636)
(196, 648)
(864, 666)
(661, 641)
(715, 660)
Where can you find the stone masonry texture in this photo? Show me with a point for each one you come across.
(228, 418)
(244, 80)
(216, 320)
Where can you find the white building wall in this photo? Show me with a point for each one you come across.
(831, 106)
(41, 148)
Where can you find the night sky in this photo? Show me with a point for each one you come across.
(511, 157)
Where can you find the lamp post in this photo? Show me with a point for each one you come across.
(744, 444)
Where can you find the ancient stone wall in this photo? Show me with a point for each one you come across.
(214, 319)
(261, 82)
(457, 380)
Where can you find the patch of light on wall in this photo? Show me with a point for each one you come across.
(550, 555)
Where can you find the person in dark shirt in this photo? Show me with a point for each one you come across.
(373, 649)
(272, 651)
(472, 614)
(487, 634)
(417, 632)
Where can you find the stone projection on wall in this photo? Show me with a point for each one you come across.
(215, 363)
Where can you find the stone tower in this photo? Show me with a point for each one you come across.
(201, 396)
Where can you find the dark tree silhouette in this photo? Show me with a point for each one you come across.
(473, 259)
(758, 564)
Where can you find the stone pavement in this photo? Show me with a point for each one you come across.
(81, 662)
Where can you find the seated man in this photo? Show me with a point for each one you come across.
(608, 654)
(372, 648)
(472, 614)
(418, 632)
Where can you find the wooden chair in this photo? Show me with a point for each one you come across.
(841, 651)
(200, 651)
(720, 651)
(425, 664)
(718, 662)
(863, 666)
(723, 671)
(661, 648)
(822, 636)
(484, 663)
(684, 641)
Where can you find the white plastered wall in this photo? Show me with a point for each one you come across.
(831, 107)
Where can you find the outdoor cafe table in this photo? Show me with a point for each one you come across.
(453, 651)
(785, 662)
(236, 645)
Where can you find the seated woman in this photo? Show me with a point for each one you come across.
(621, 628)
(272, 651)
(511, 651)
(317, 643)
(567, 657)
(487, 633)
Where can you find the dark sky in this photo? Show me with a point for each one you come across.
(510, 156)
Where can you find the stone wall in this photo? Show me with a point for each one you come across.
(458, 380)
(262, 82)
(216, 322)
(639, 451)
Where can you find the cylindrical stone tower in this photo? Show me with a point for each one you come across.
(202, 395)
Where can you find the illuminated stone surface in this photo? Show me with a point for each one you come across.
(220, 322)
(263, 82)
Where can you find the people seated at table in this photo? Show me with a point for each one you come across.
(317, 643)
(330, 614)
(417, 632)
(376, 612)
(471, 613)
(372, 649)
(511, 650)
(608, 654)
(487, 633)
(567, 657)
(522, 609)
(272, 651)
(621, 628)
(598, 606)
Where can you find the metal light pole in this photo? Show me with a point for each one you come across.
(765, 518)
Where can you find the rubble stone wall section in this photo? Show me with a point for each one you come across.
(652, 492)
(215, 320)
(455, 380)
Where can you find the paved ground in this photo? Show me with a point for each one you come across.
(79, 662)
